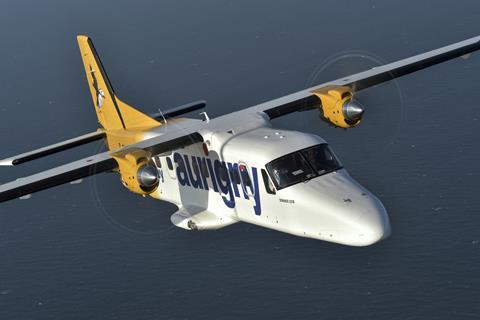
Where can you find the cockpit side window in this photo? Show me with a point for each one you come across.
(268, 183)
(302, 165)
(321, 158)
(289, 170)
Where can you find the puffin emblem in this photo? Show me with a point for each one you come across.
(98, 92)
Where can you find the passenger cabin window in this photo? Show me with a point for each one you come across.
(196, 169)
(302, 165)
(157, 162)
(169, 163)
(203, 168)
(223, 174)
(235, 175)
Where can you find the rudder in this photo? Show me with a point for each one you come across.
(112, 113)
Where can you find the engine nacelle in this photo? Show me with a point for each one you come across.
(339, 108)
(137, 173)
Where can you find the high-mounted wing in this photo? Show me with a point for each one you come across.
(173, 139)
(307, 99)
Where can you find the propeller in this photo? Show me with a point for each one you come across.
(381, 108)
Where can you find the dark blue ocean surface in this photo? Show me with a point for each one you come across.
(96, 251)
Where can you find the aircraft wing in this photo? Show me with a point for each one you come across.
(59, 175)
(54, 148)
(305, 99)
(173, 139)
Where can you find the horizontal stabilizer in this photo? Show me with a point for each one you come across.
(54, 148)
(197, 219)
(177, 111)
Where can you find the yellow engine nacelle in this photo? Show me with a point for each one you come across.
(137, 174)
(339, 108)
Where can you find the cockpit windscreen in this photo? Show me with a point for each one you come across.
(302, 165)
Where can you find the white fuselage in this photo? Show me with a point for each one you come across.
(210, 192)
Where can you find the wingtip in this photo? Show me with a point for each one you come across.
(6, 162)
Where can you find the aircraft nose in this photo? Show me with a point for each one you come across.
(373, 225)
(347, 212)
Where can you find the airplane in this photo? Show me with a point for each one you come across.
(236, 167)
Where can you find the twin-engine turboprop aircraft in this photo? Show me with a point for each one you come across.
(235, 167)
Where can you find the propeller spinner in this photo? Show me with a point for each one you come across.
(352, 111)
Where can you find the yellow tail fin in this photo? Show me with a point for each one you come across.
(112, 113)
